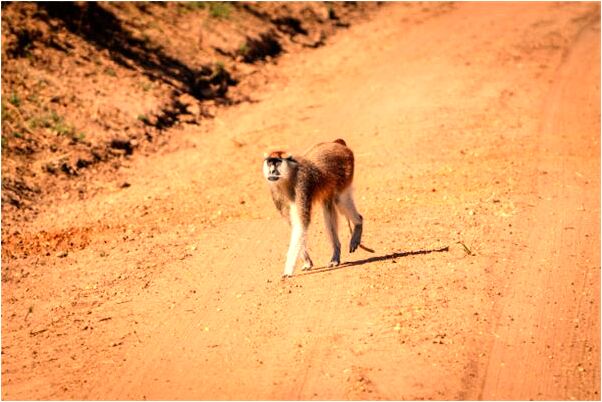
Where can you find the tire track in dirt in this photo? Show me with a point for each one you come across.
(551, 295)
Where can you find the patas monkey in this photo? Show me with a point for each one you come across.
(323, 175)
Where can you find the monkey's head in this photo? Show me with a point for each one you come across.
(277, 165)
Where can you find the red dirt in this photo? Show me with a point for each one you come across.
(473, 125)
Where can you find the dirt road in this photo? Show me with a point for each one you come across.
(475, 126)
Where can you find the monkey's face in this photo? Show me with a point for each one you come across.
(277, 167)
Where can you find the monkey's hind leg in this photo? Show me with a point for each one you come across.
(331, 221)
(347, 207)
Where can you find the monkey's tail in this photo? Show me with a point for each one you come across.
(351, 231)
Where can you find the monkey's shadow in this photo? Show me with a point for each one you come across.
(373, 259)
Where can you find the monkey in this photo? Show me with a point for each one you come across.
(323, 175)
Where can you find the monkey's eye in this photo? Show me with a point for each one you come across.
(274, 161)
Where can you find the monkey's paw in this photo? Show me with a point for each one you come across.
(354, 243)
(334, 263)
(356, 238)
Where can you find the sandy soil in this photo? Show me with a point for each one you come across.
(475, 127)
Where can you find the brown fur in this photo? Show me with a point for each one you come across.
(328, 169)
(322, 175)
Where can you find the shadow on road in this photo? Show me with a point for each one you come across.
(374, 259)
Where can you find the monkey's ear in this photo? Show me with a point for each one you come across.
(287, 156)
(265, 155)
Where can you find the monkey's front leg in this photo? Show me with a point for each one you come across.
(298, 239)
(307, 262)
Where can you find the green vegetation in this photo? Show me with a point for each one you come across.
(218, 70)
(64, 129)
(45, 120)
(217, 9)
(243, 49)
(14, 100)
(192, 5)
(143, 118)
(55, 123)
(79, 137)
(34, 98)
(18, 120)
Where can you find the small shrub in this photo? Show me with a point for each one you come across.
(64, 129)
(243, 50)
(52, 121)
(14, 100)
(78, 137)
(187, 6)
(219, 9)
(143, 118)
(34, 98)
(43, 121)
(55, 117)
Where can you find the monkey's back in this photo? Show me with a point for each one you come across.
(333, 162)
